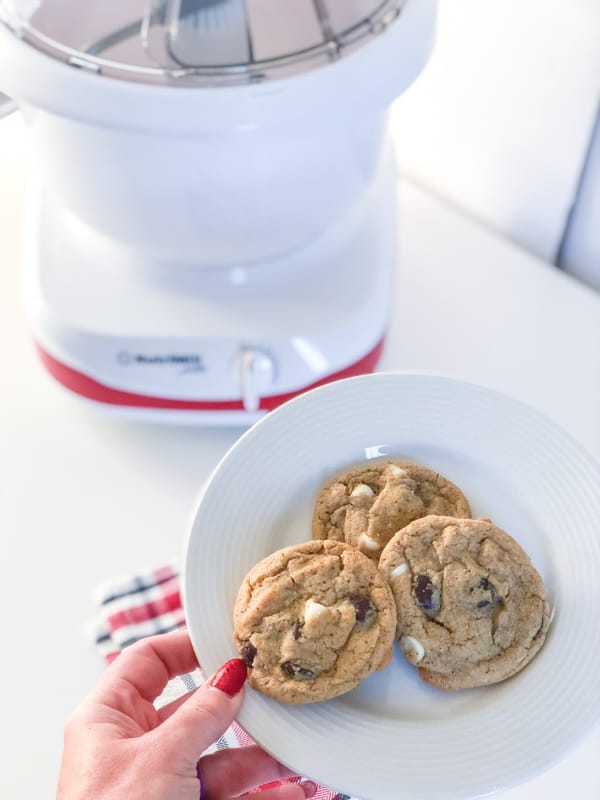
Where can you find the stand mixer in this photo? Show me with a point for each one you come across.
(212, 222)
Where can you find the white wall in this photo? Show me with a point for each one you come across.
(501, 119)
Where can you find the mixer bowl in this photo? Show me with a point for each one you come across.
(213, 174)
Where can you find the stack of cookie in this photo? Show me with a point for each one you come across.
(394, 553)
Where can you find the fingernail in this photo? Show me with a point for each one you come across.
(230, 678)
(309, 788)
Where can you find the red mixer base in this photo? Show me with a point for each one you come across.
(84, 386)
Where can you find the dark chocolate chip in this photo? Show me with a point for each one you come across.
(365, 611)
(297, 672)
(486, 603)
(488, 586)
(427, 594)
(248, 652)
(297, 629)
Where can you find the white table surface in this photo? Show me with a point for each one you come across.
(85, 497)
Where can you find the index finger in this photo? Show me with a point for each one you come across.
(148, 665)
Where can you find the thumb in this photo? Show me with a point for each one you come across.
(205, 714)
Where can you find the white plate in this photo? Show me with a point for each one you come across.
(395, 737)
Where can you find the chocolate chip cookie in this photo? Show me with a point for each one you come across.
(312, 621)
(366, 505)
(472, 609)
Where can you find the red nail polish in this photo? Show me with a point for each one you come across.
(231, 677)
(309, 788)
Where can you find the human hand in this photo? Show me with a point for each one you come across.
(119, 747)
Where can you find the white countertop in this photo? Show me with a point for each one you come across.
(85, 497)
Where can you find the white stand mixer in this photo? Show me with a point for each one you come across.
(212, 230)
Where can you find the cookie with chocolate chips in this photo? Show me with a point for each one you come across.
(312, 621)
(366, 505)
(472, 609)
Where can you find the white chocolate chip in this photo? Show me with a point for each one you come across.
(362, 490)
(397, 471)
(412, 649)
(400, 570)
(366, 544)
(312, 610)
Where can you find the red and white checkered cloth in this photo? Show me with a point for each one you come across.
(147, 604)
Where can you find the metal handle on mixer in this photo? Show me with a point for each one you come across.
(7, 105)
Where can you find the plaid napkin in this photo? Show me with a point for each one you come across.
(134, 607)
